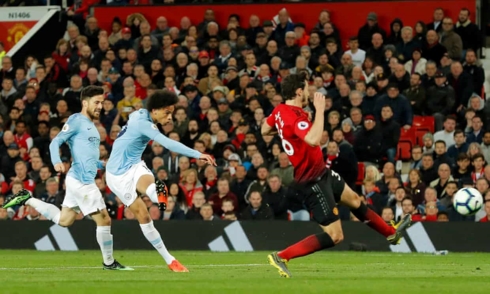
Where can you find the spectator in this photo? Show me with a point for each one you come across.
(462, 84)
(367, 31)
(216, 200)
(460, 145)
(198, 200)
(391, 133)
(473, 66)
(444, 173)
(256, 210)
(443, 99)
(468, 31)
(448, 133)
(207, 213)
(476, 133)
(434, 51)
(402, 111)
(275, 197)
(437, 24)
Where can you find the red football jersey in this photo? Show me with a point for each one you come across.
(292, 126)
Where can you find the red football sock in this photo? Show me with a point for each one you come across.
(307, 246)
(378, 224)
(373, 220)
(304, 247)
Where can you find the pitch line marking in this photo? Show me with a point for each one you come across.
(136, 266)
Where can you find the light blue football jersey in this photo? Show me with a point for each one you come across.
(83, 138)
(133, 139)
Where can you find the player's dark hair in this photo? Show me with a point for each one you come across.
(458, 131)
(291, 84)
(161, 99)
(20, 122)
(91, 91)
(353, 38)
(476, 156)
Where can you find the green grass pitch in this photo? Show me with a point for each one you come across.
(236, 273)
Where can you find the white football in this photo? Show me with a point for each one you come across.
(467, 201)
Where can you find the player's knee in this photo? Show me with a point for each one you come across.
(142, 216)
(337, 237)
(66, 222)
(335, 232)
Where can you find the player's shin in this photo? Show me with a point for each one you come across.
(153, 236)
(373, 220)
(307, 246)
(104, 238)
(151, 192)
(49, 211)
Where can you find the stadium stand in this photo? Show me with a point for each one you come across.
(401, 103)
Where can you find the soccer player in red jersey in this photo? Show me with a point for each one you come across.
(323, 188)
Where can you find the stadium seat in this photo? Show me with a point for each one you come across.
(407, 141)
(422, 125)
(361, 168)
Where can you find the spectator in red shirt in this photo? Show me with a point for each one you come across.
(62, 54)
(22, 176)
(487, 210)
(216, 200)
(302, 38)
(23, 140)
(190, 184)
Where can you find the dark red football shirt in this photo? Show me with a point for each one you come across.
(293, 125)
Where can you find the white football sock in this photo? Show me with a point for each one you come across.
(49, 211)
(153, 236)
(151, 192)
(104, 238)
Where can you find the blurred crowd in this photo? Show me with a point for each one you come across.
(228, 79)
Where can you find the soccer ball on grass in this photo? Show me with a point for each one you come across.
(467, 201)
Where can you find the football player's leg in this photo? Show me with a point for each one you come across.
(324, 209)
(322, 205)
(371, 218)
(23, 197)
(140, 211)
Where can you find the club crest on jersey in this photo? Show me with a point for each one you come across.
(66, 127)
(154, 126)
(302, 125)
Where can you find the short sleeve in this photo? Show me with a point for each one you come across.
(270, 120)
(69, 129)
(301, 128)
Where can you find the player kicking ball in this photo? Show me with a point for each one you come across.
(127, 174)
(323, 188)
(81, 192)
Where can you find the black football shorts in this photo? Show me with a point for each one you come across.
(322, 196)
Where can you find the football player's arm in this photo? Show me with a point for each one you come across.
(151, 131)
(311, 134)
(268, 126)
(69, 129)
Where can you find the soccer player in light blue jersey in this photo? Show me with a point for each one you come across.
(81, 192)
(127, 174)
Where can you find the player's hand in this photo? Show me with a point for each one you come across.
(59, 167)
(208, 159)
(319, 101)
